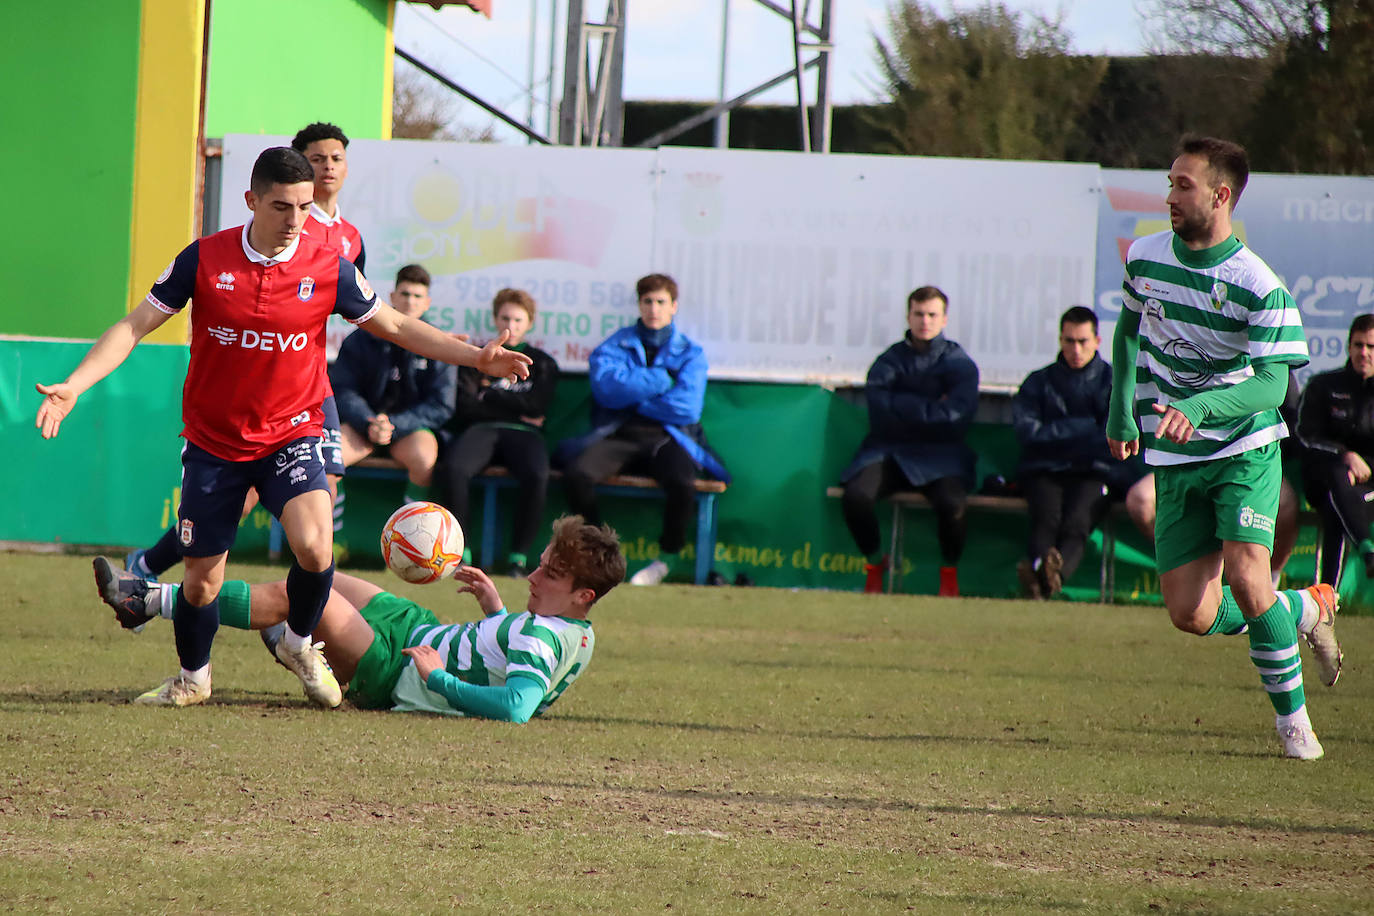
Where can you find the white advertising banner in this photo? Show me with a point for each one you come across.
(797, 267)
(791, 267)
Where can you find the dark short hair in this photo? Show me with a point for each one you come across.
(655, 282)
(413, 273)
(1361, 325)
(313, 133)
(509, 296)
(1227, 161)
(925, 294)
(279, 165)
(588, 554)
(1078, 314)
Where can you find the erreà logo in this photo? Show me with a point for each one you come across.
(224, 281)
(306, 289)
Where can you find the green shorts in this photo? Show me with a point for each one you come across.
(1199, 505)
(392, 619)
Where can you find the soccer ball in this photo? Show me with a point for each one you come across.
(422, 542)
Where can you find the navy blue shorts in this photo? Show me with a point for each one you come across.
(332, 442)
(212, 491)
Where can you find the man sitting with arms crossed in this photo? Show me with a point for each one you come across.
(395, 654)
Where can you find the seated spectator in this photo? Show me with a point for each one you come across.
(922, 394)
(391, 400)
(1060, 418)
(502, 423)
(1336, 430)
(1140, 497)
(648, 386)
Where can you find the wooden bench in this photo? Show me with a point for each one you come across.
(1005, 504)
(495, 479)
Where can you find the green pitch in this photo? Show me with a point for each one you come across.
(729, 751)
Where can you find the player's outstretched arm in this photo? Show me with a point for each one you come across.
(104, 356)
(479, 585)
(419, 337)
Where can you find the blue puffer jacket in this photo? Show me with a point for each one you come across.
(423, 393)
(670, 392)
(1060, 418)
(920, 406)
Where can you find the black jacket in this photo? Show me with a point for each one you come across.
(1336, 415)
(503, 401)
(1060, 418)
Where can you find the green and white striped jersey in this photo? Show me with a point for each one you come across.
(552, 650)
(1206, 317)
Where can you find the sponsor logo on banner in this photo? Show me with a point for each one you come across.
(225, 281)
(306, 289)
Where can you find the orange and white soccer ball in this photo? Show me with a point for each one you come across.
(422, 542)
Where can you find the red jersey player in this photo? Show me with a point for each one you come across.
(325, 145)
(251, 406)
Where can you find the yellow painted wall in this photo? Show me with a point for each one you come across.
(166, 150)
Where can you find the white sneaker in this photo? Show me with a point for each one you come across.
(652, 574)
(176, 691)
(1300, 742)
(316, 676)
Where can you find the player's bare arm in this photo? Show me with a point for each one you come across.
(478, 584)
(104, 356)
(419, 337)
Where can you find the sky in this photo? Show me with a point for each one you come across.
(673, 48)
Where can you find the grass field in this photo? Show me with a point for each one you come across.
(729, 751)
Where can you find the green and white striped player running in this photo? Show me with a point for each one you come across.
(395, 654)
(1201, 356)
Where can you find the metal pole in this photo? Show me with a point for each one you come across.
(723, 122)
(553, 60)
(574, 69)
(529, 69)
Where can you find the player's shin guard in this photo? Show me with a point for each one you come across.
(1230, 621)
(195, 631)
(306, 594)
(1274, 651)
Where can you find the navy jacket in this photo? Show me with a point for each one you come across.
(1059, 415)
(1336, 415)
(372, 376)
(671, 392)
(920, 406)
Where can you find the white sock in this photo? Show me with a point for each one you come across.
(199, 676)
(167, 601)
(1299, 718)
(140, 568)
(1311, 612)
(295, 643)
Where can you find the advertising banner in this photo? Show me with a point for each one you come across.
(792, 268)
(1316, 232)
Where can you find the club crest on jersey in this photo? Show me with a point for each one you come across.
(224, 281)
(186, 532)
(162, 277)
(1218, 294)
(306, 289)
(347, 246)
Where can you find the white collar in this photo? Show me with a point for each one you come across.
(324, 218)
(256, 258)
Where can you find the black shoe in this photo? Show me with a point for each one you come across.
(125, 593)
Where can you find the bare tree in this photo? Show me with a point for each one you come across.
(421, 109)
(1246, 28)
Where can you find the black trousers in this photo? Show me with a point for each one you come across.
(522, 452)
(646, 450)
(1064, 508)
(948, 500)
(1345, 512)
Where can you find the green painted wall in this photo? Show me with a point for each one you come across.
(276, 66)
(71, 72)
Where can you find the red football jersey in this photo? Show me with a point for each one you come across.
(257, 373)
(336, 233)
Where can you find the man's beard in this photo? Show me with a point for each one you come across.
(1192, 228)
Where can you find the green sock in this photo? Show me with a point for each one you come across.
(1230, 621)
(1291, 600)
(1274, 651)
(415, 492)
(467, 556)
(235, 606)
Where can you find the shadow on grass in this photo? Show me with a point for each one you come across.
(717, 728)
(848, 803)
